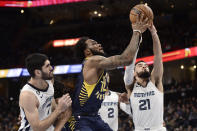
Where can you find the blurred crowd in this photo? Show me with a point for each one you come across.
(181, 114)
(9, 115)
(180, 111)
(114, 35)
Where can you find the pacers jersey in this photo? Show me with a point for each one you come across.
(147, 106)
(87, 98)
(45, 103)
(109, 110)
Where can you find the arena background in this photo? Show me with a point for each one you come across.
(32, 26)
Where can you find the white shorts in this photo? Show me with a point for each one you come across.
(158, 129)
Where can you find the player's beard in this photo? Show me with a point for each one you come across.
(144, 74)
(94, 52)
(46, 76)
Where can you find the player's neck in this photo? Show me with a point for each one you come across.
(39, 83)
(141, 81)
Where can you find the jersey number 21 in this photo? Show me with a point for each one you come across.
(144, 104)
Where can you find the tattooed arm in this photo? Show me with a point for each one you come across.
(118, 60)
(127, 56)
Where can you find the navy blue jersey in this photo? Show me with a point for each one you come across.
(87, 98)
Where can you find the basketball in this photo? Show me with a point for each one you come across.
(141, 8)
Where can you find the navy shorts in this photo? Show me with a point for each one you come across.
(90, 123)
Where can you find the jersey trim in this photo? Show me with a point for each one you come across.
(86, 91)
(90, 87)
(36, 88)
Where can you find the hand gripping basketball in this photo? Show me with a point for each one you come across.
(141, 24)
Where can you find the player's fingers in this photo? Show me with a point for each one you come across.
(141, 18)
(67, 96)
(64, 96)
(145, 21)
(138, 18)
(68, 99)
(70, 102)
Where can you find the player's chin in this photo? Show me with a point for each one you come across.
(50, 78)
(51, 75)
(103, 53)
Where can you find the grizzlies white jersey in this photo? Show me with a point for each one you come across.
(109, 110)
(147, 107)
(45, 103)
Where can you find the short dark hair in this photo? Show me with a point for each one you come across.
(35, 61)
(139, 62)
(80, 47)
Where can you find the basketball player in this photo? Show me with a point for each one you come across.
(145, 90)
(93, 79)
(36, 97)
(109, 109)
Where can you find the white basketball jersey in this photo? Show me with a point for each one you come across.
(109, 110)
(45, 103)
(147, 107)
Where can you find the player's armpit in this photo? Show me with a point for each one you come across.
(129, 90)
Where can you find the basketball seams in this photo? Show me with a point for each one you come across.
(145, 13)
(138, 9)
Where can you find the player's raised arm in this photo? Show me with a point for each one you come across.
(127, 56)
(157, 73)
(129, 75)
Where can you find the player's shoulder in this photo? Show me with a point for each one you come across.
(27, 91)
(93, 63)
(155, 87)
(27, 97)
(27, 94)
(95, 58)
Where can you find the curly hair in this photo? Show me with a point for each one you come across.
(80, 47)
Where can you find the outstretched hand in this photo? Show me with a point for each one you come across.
(141, 24)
